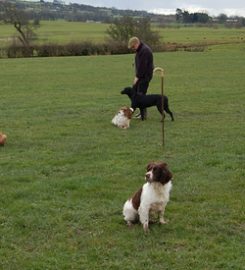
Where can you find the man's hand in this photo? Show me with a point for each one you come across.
(135, 80)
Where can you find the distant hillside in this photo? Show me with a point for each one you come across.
(77, 12)
(41, 10)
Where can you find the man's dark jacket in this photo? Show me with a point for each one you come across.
(144, 62)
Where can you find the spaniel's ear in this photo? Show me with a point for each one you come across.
(150, 166)
(168, 175)
(128, 112)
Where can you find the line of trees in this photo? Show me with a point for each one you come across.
(186, 17)
(73, 12)
(203, 18)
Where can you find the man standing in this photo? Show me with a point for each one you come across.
(143, 66)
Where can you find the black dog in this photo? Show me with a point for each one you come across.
(144, 101)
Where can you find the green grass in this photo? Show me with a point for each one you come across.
(66, 171)
(201, 34)
(6, 33)
(63, 32)
(60, 32)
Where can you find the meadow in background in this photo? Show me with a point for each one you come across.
(66, 171)
(62, 32)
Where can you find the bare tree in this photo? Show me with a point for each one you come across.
(124, 28)
(19, 19)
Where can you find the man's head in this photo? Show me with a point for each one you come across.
(133, 43)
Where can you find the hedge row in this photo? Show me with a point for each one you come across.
(71, 49)
(85, 48)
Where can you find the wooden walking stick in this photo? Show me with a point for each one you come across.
(159, 71)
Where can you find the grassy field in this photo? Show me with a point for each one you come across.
(66, 171)
(201, 34)
(60, 32)
(63, 32)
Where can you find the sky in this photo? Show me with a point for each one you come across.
(212, 7)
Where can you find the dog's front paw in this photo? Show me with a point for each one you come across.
(146, 228)
(163, 221)
(129, 224)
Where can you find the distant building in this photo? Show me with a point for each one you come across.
(58, 2)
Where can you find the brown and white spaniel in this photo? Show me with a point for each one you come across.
(123, 117)
(152, 198)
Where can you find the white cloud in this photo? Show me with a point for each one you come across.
(166, 11)
(234, 12)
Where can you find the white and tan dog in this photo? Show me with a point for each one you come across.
(123, 117)
(152, 198)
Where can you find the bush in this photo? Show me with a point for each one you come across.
(71, 49)
(124, 28)
(15, 51)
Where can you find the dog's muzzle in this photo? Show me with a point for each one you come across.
(148, 177)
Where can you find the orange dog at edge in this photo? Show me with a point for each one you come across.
(3, 139)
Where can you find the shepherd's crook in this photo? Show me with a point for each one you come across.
(159, 71)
